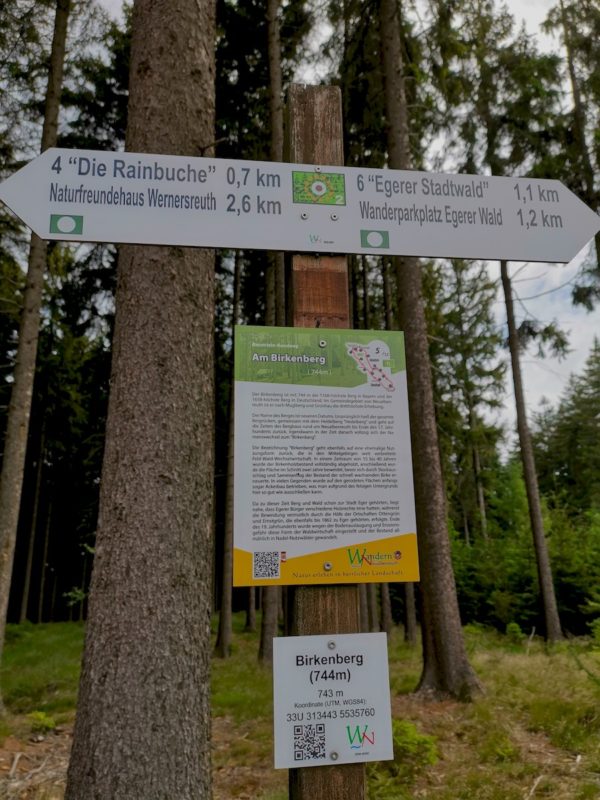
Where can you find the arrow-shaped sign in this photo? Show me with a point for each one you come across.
(97, 196)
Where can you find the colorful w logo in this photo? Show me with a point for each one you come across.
(356, 557)
(359, 736)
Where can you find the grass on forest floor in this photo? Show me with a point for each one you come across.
(535, 732)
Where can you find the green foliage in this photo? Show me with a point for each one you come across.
(539, 711)
(40, 668)
(567, 442)
(41, 722)
(514, 633)
(413, 753)
(468, 381)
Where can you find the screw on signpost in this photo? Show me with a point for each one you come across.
(318, 297)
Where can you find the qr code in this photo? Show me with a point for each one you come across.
(266, 565)
(309, 742)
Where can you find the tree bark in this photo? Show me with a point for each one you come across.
(387, 623)
(224, 634)
(277, 261)
(579, 116)
(373, 607)
(551, 618)
(19, 410)
(410, 614)
(143, 720)
(446, 668)
(39, 471)
(44, 566)
(275, 306)
(251, 611)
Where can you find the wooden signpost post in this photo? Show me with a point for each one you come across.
(318, 297)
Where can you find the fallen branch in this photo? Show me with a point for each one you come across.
(534, 787)
(16, 760)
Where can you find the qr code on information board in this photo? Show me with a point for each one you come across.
(266, 565)
(309, 742)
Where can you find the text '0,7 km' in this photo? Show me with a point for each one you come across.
(136, 198)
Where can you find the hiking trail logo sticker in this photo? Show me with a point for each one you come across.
(376, 240)
(322, 188)
(69, 224)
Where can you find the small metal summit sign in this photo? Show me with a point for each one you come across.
(331, 700)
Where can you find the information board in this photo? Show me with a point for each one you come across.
(323, 470)
(140, 198)
(331, 700)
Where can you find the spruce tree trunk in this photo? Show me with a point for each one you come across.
(224, 634)
(275, 306)
(363, 608)
(373, 607)
(579, 117)
(143, 719)
(410, 614)
(19, 410)
(39, 471)
(446, 668)
(276, 117)
(387, 623)
(44, 567)
(250, 625)
(553, 629)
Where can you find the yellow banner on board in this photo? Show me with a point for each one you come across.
(393, 559)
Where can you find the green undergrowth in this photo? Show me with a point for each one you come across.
(534, 732)
(40, 671)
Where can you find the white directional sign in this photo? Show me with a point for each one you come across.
(96, 196)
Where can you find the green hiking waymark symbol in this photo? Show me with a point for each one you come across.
(376, 240)
(69, 224)
(322, 188)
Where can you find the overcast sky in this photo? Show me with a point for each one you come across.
(545, 290)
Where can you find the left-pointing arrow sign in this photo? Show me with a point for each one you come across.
(97, 196)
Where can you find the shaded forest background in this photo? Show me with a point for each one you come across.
(484, 98)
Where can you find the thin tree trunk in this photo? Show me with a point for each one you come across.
(276, 117)
(19, 410)
(387, 295)
(268, 628)
(387, 623)
(480, 493)
(366, 299)
(363, 608)
(448, 670)
(44, 565)
(276, 304)
(373, 607)
(579, 117)
(142, 730)
(354, 310)
(83, 584)
(251, 611)
(553, 629)
(410, 614)
(224, 634)
(39, 471)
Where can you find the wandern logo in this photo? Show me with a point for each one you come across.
(357, 558)
(358, 737)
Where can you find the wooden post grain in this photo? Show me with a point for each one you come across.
(318, 297)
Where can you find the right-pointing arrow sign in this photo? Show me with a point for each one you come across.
(138, 198)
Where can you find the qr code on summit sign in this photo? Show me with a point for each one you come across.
(309, 742)
(266, 565)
